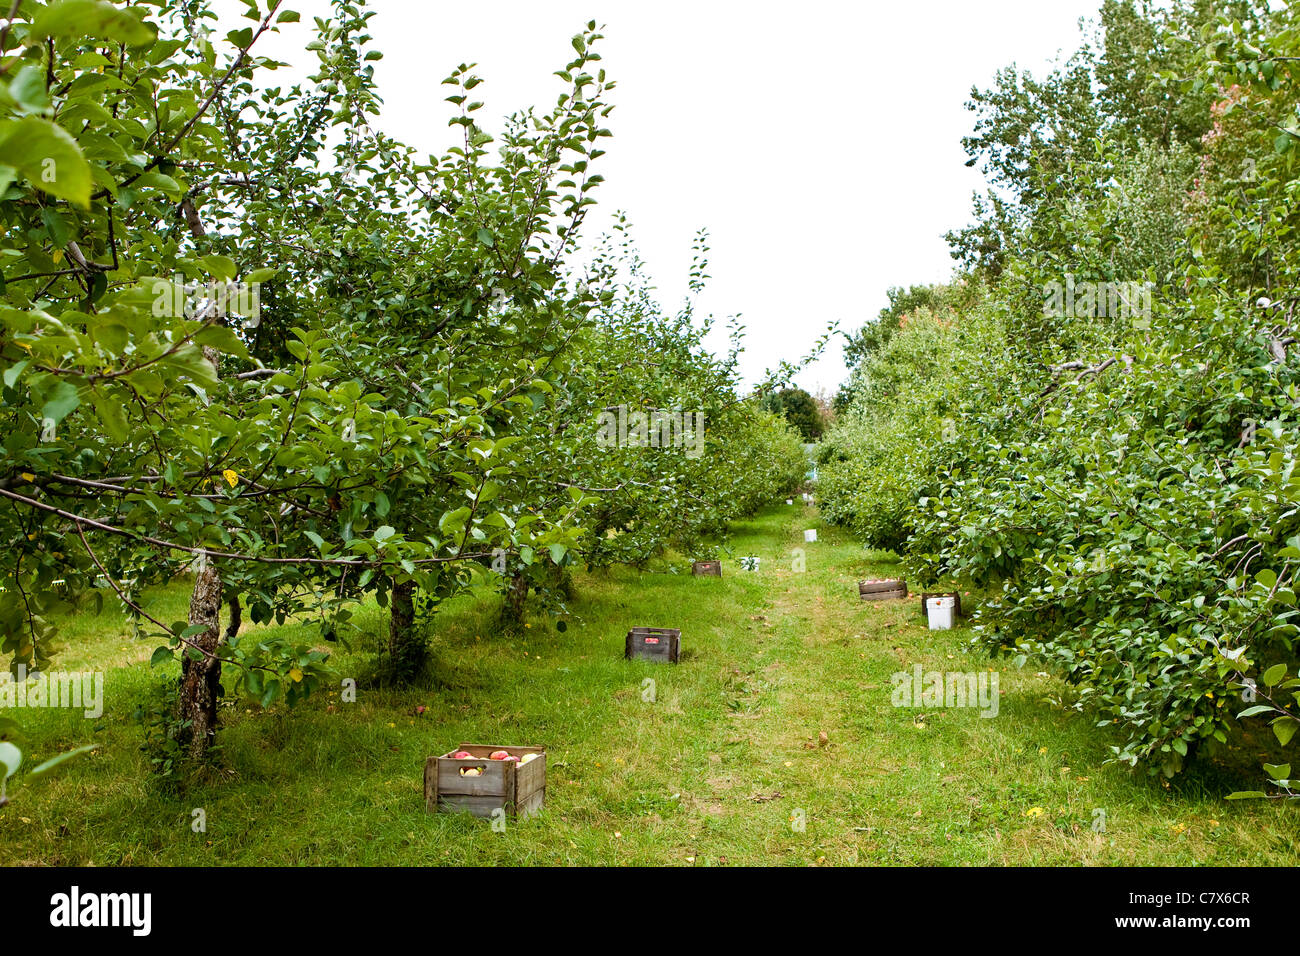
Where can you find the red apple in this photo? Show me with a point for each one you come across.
(498, 755)
(462, 755)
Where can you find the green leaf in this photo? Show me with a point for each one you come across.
(1284, 729)
(28, 88)
(10, 758)
(90, 18)
(61, 403)
(55, 226)
(1278, 771)
(62, 758)
(453, 521)
(13, 372)
(47, 156)
(112, 415)
(155, 180)
(1273, 674)
(1253, 711)
(221, 268)
(1247, 795)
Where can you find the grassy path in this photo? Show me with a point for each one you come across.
(718, 761)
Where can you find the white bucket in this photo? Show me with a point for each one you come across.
(939, 612)
(789, 501)
(810, 535)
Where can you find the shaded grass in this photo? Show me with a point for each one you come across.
(719, 767)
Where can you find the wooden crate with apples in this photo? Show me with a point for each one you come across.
(707, 569)
(482, 778)
(653, 644)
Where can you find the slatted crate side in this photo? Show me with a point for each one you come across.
(897, 595)
(497, 787)
(480, 795)
(707, 569)
(653, 643)
(530, 786)
(885, 590)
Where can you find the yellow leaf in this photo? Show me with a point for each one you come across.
(27, 476)
(232, 478)
(295, 675)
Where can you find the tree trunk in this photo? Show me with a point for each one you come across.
(201, 679)
(236, 617)
(512, 612)
(406, 647)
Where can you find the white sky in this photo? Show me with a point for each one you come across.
(819, 142)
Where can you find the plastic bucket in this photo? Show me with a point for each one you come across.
(939, 613)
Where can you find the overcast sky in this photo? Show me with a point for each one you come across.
(819, 142)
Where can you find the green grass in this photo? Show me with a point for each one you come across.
(712, 771)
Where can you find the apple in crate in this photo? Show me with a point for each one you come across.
(498, 755)
(526, 758)
(462, 755)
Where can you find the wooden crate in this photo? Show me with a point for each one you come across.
(956, 600)
(653, 644)
(887, 589)
(712, 569)
(504, 784)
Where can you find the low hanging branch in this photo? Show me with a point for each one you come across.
(1085, 371)
(227, 555)
(1277, 348)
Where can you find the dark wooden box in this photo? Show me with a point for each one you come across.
(707, 569)
(887, 589)
(653, 644)
(504, 784)
(956, 600)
